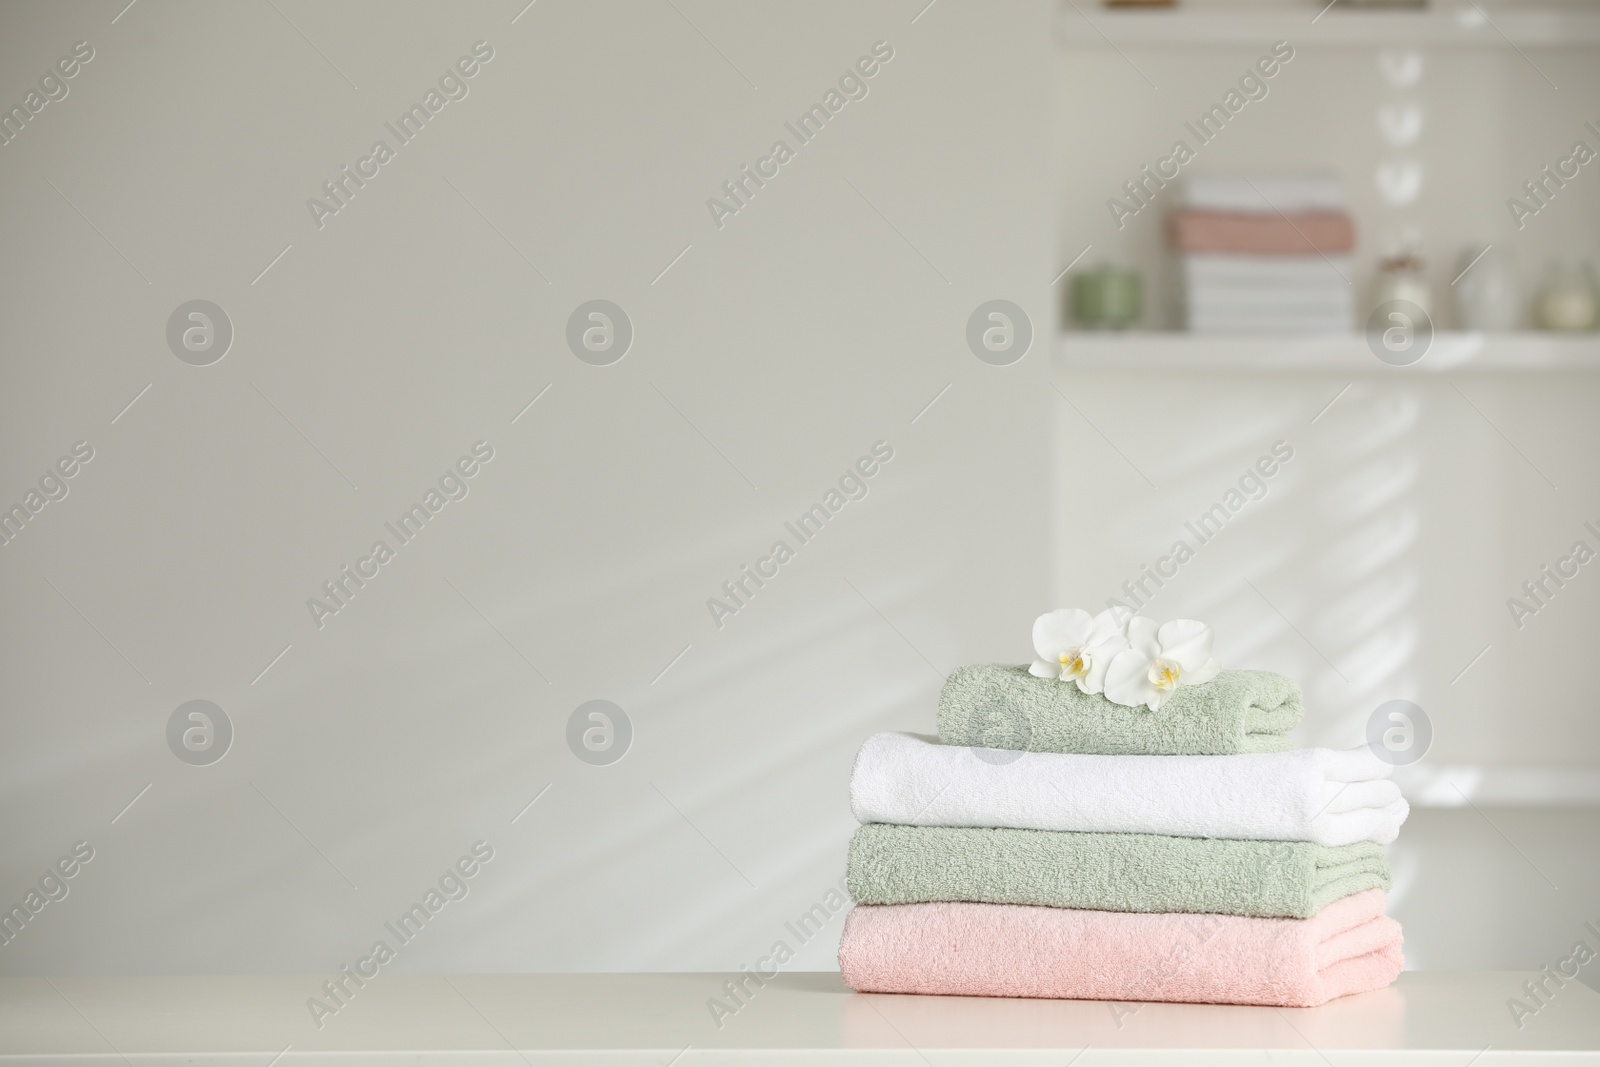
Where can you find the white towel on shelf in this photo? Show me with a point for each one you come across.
(1263, 194)
(1267, 272)
(1283, 303)
(1260, 324)
(1309, 794)
(1266, 294)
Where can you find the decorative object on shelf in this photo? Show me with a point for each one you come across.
(1570, 299)
(1107, 298)
(1485, 292)
(1401, 278)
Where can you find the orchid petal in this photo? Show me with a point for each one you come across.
(1127, 679)
(1143, 636)
(1045, 669)
(1187, 643)
(1106, 626)
(1057, 631)
(1101, 655)
(1203, 675)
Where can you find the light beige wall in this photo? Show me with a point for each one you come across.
(423, 318)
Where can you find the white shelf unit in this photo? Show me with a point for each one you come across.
(1451, 351)
(1083, 23)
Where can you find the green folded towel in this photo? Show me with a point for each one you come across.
(1003, 706)
(892, 864)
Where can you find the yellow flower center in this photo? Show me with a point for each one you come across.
(1164, 674)
(1074, 664)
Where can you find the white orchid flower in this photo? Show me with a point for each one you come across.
(1158, 661)
(1074, 646)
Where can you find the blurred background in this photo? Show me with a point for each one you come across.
(257, 343)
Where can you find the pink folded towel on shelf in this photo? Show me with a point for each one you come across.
(1013, 950)
(1308, 234)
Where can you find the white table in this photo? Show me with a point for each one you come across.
(1436, 1018)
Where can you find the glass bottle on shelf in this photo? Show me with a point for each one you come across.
(1485, 292)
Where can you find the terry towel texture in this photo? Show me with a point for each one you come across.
(1107, 872)
(999, 950)
(1003, 706)
(1308, 794)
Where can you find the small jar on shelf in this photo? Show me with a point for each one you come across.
(1401, 278)
(1107, 298)
(1570, 299)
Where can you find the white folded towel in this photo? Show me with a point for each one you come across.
(1267, 304)
(1262, 194)
(1264, 324)
(1309, 794)
(1267, 272)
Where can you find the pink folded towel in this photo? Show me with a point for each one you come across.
(1015, 950)
(1271, 234)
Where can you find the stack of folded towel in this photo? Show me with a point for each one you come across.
(1052, 843)
(1265, 254)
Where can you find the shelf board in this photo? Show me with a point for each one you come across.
(1346, 352)
(1453, 786)
(796, 1017)
(1082, 23)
